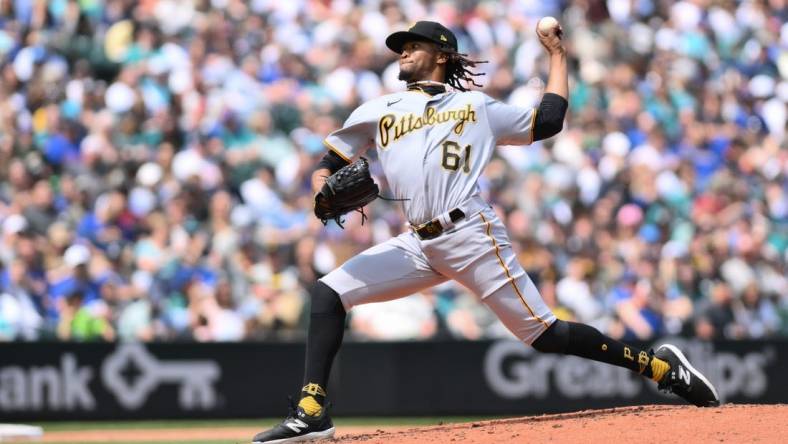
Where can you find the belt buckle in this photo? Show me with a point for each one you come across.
(430, 230)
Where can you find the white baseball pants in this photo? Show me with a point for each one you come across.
(476, 253)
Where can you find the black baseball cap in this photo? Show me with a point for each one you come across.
(423, 30)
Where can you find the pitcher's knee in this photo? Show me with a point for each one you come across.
(326, 301)
(555, 339)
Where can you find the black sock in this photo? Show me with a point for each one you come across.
(323, 341)
(587, 342)
(324, 337)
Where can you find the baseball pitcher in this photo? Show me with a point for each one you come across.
(433, 141)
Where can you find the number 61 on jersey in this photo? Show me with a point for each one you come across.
(454, 156)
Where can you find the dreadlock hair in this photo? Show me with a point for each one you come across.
(457, 71)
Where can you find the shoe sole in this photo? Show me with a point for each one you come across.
(314, 436)
(697, 374)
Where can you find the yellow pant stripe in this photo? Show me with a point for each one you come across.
(506, 270)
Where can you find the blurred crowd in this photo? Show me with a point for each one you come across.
(156, 159)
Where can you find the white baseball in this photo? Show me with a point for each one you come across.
(547, 25)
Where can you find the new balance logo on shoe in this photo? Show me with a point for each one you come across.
(296, 425)
(685, 375)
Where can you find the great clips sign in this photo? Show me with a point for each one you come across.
(514, 371)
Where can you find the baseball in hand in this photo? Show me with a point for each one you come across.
(547, 25)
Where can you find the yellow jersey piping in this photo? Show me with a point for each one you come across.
(336, 150)
(533, 122)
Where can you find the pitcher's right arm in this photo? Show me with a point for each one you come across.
(512, 125)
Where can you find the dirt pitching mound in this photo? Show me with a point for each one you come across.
(729, 423)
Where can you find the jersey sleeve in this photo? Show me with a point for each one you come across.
(355, 136)
(510, 125)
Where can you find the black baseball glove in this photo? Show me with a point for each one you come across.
(349, 189)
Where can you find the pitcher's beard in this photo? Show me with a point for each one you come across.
(406, 76)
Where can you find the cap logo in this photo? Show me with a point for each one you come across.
(443, 37)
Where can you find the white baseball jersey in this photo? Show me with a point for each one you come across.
(432, 148)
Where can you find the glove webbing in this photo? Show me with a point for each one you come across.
(364, 216)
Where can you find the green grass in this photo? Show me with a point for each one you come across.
(259, 424)
(154, 442)
(52, 426)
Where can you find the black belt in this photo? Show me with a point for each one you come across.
(434, 228)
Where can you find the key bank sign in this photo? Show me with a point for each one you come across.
(67, 386)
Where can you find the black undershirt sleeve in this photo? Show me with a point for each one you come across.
(550, 116)
(332, 161)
